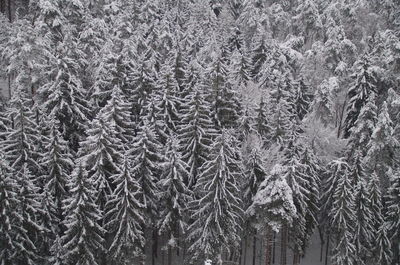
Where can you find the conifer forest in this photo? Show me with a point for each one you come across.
(192, 132)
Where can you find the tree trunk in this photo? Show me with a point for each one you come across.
(155, 247)
(243, 251)
(283, 245)
(169, 255)
(254, 249)
(273, 248)
(2, 6)
(321, 236)
(9, 11)
(268, 246)
(296, 257)
(327, 248)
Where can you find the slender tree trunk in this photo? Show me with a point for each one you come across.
(321, 236)
(328, 237)
(254, 249)
(2, 6)
(284, 245)
(268, 246)
(155, 247)
(273, 248)
(9, 11)
(296, 257)
(169, 255)
(243, 251)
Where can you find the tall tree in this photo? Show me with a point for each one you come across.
(124, 216)
(83, 238)
(217, 211)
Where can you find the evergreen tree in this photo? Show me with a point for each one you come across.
(358, 94)
(262, 120)
(381, 147)
(393, 211)
(57, 161)
(9, 217)
(363, 225)
(342, 217)
(63, 95)
(19, 147)
(117, 113)
(146, 159)
(124, 217)
(383, 246)
(174, 195)
(30, 213)
(101, 154)
(83, 237)
(167, 100)
(217, 212)
(195, 133)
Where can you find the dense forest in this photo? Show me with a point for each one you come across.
(188, 127)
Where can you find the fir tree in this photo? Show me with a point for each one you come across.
(363, 225)
(19, 147)
(175, 196)
(30, 212)
(117, 113)
(167, 100)
(393, 211)
(58, 164)
(124, 217)
(217, 212)
(101, 153)
(359, 92)
(381, 147)
(9, 217)
(146, 158)
(83, 237)
(342, 215)
(195, 133)
(63, 94)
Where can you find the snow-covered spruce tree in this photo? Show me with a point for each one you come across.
(57, 165)
(254, 174)
(167, 100)
(363, 227)
(381, 148)
(364, 84)
(143, 79)
(302, 98)
(361, 132)
(246, 122)
(124, 216)
(174, 196)
(302, 177)
(146, 155)
(393, 211)
(101, 154)
(383, 247)
(146, 158)
(9, 217)
(342, 215)
(262, 123)
(217, 212)
(333, 171)
(273, 206)
(322, 105)
(29, 210)
(83, 237)
(19, 147)
(195, 133)
(240, 68)
(63, 95)
(117, 113)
